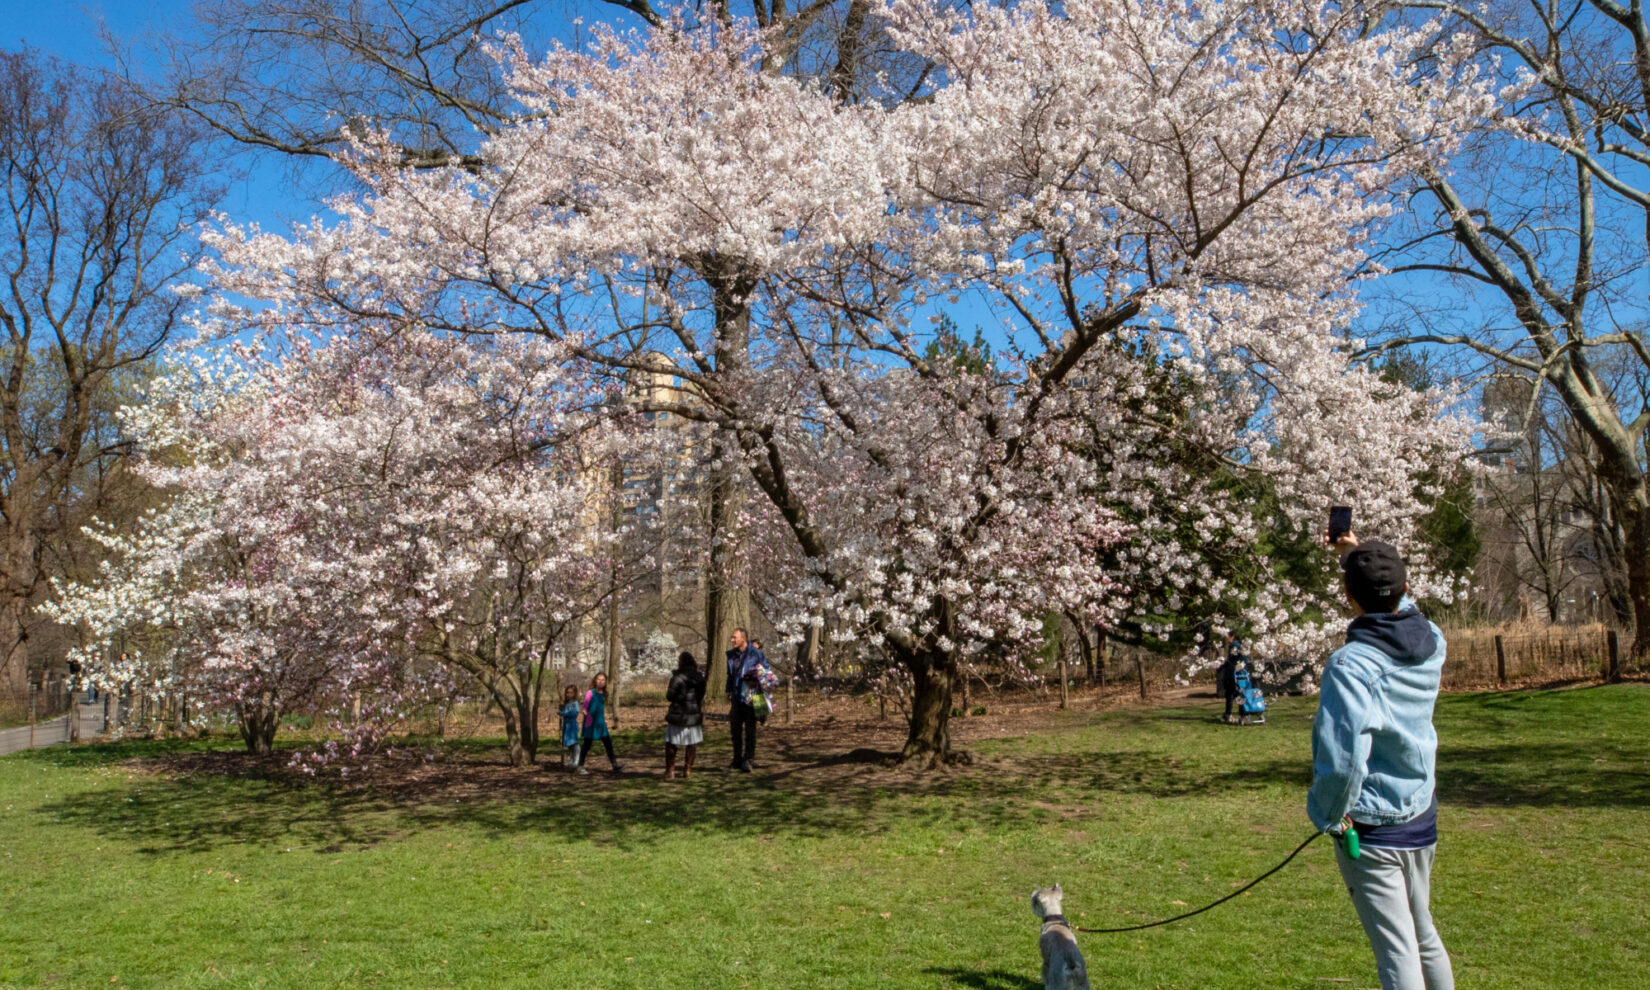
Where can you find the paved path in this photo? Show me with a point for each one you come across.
(53, 731)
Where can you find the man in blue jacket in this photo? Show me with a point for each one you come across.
(1373, 757)
(744, 663)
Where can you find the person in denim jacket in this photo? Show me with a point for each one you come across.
(1374, 752)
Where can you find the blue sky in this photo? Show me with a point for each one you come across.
(69, 30)
(265, 193)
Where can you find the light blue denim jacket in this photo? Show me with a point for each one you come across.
(1374, 749)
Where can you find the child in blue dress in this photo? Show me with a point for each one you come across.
(595, 722)
(570, 729)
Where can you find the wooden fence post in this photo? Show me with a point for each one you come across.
(1500, 661)
(1613, 672)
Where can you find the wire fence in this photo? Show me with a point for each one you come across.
(1517, 654)
(1522, 653)
(43, 699)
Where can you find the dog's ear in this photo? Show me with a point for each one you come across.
(1057, 889)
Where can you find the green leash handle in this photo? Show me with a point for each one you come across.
(1350, 839)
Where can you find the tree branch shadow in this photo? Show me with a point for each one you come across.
(183, 799)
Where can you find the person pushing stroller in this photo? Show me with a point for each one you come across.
(1236, 683)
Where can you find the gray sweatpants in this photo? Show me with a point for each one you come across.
(1391, 888)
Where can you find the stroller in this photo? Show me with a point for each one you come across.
(1251, 703)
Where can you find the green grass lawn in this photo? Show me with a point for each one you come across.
(824, 871)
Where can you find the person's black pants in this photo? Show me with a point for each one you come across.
(743, 719)
(607, 744)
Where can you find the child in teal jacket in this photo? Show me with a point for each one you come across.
(570, 729)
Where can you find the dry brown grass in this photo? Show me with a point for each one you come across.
(1532, 651)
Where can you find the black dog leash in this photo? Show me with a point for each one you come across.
(1223, 900)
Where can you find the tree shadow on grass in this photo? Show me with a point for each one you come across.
(996, 979)
(1542, 776)
(1538, 775)
(183, 798)
(103, 754)
(198, 801)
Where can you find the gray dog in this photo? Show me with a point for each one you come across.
(1063, 967)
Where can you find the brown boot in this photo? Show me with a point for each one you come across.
(670, 760)
(687, 760)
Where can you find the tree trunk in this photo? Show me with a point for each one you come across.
(14, 667)
(1085, 652)
(615, 649)
(16, 585)
(807, 654)
(527, 739)
(1637, 526)
(521, 721)
(1102, 653)
(1555, 601)
(717, 628)
(1629, 491)
(259, 721)
(615, 641)
(929, 743)
(512, 736)
(1065, 672)
(848, 44)
(727, 606)
(1614, 565)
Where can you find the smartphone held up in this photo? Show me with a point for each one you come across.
(1340, 523)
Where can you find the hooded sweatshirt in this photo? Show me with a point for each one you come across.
(1374, 749)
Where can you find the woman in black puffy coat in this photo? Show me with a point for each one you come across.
(684, 723)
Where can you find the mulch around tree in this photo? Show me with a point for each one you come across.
(829, 743)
